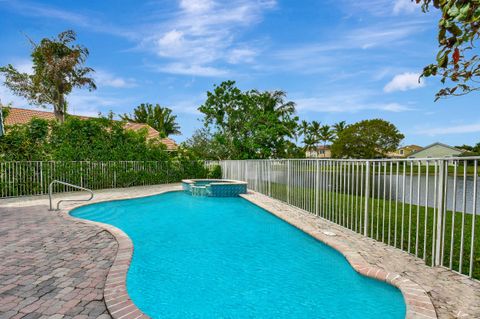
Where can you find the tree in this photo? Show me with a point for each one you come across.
(339, 127)
(57, 69)
(250, 124)
(326, 134)
(26, 142)
(158, 117)
(315, 128)
(4, 110)
(456, 62)
(204, 145)
(95, 139)
(311, 134)
(367, 139)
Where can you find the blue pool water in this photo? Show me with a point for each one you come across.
(204, 257)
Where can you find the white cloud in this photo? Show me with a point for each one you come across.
(241, 55)
(80, 102)
(39, 10)
(404, 6)
(378, 8)
(403, 82)
(107, 79)
(346, 103)
(450, 129)
(192, 69)
(83, 102)
(203, 33)
(7, 97)
(196, 5)
(350, 51)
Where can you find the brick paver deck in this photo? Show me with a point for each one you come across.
(56, 267)
(50, 267)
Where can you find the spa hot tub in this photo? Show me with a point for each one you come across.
(214, 187)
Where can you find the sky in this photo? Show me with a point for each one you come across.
(338, 60)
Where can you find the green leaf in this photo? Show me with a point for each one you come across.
(455, 30)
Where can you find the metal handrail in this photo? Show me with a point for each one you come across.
(50, 193)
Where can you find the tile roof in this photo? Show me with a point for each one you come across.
(23, 116)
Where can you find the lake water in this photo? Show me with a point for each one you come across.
(400, 189)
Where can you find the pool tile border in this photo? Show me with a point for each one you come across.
(418, 303)
(120, 305)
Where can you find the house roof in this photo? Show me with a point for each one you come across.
(319, 148)
(412, 146)
(23, 116)
(434, 144)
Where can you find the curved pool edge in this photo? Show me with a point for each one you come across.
(417, 301)
(120, 305)
(117, 300)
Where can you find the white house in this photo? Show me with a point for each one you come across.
(436, 150)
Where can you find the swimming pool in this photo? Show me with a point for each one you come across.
(207, 257)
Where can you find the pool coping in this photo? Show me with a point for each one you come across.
(215, 181)
(120, 305)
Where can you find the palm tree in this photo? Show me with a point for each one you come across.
(309, 141)
(326, 135)
(339, 127)
(315, 131)
(158, 117)
(303, 128)
(274, 103)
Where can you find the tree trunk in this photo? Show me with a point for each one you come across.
(59, 109)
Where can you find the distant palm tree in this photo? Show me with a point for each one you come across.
(303, 128)
(309, 141)
(315, 127)
(310, 133)
(158, 117)
(339, 127)
(326, 135)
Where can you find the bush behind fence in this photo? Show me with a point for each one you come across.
(32, 178)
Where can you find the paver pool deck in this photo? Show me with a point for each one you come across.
(52, 266)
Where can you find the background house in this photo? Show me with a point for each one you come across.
(23, 116)
(322, 151)
(436, 150)
(405, 151)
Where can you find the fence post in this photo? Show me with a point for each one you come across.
(256, 175)
(367, 195)
(42, 191)
(317, 186)
(269, 172)
(288, 181)
(440, 195)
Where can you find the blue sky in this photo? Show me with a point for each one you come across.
(337, 59)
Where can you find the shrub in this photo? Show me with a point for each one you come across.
(215, 172)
